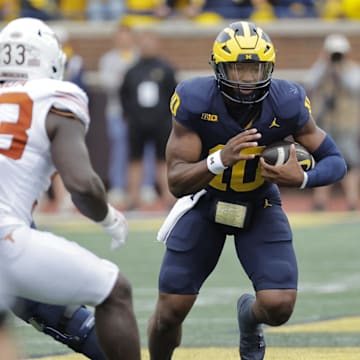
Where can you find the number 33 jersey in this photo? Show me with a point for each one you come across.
(25, 158)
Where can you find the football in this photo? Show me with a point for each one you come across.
(278, 153)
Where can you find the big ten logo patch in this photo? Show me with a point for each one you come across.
(209, 117)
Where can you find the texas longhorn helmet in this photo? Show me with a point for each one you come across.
(29, 50)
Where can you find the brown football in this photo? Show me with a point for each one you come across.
(278, 153)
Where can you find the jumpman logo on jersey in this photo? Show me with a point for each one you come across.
(266, 203)
(274, 124)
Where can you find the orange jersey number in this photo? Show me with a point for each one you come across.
(18, 128)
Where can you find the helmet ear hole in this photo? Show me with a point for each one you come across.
(267, 48)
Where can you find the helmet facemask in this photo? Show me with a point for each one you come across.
(245, 82)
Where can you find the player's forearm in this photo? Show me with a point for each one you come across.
(90, 199)
(330, 165)
(92, 207)
(188, 178)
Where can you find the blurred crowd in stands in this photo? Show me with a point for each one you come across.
(136, 174)
(203, 11)
(137, 119)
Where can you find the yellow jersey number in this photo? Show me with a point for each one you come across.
(236, 182)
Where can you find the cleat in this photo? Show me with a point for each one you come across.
(252, 342)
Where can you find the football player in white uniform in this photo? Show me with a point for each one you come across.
(42, 131)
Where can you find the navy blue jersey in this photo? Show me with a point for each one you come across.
(198, 105)
(264, 246)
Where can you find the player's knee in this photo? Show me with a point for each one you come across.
(164, 321)
(170, 313)
(278, 308)
(121, 294)
(279, 314)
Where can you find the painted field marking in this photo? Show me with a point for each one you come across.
(340, 325)
(152, 222)
(334, 353)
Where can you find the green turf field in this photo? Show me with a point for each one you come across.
(328, 306)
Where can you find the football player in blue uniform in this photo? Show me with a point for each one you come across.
(73, 326)
(220, 126)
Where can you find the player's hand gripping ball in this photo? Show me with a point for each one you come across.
(278, 154)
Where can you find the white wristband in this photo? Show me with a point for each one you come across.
(214, 163)
(110, 217)
(306, 177)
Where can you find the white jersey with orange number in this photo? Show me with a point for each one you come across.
(25, 160)
(73, 275)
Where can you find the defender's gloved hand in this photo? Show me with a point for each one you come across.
(116, 225)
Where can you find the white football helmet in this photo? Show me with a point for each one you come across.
(29, 49)
(337, 43)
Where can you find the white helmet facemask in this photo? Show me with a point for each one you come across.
(29, 49)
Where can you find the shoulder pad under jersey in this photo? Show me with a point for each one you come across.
(193, 96)
(63, 95)
(289, 99)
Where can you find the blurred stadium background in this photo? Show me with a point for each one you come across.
(326, 322)
(187, 45)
